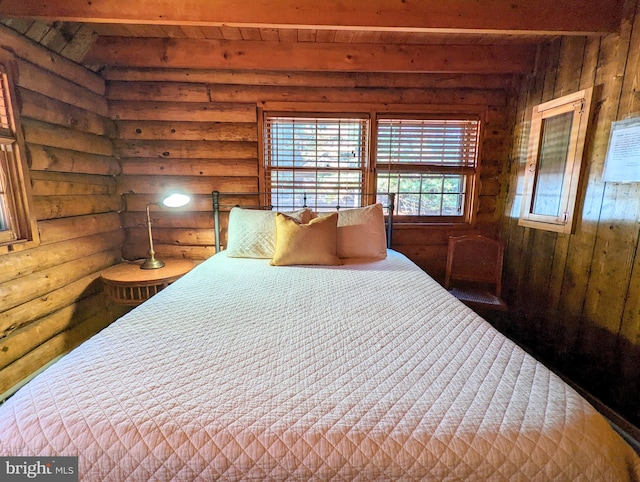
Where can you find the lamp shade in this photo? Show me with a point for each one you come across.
(176, 200)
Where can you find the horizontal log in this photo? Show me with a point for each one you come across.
(25, 313)
(340, 57)
(28, 262)
(182, 111)
(192, 185)
(158, 91)
(23, 340)
(432, 259)
(428, 235)
(35, 79)
(312, 79)
(26, 288)
(47, 158)
(544, 16)
(37, 132)
(51, 61)
(171, 219)
(193, 167)
(188, 149)
(59, 345)
(137, 91)
(188, 131)
(487, 204)
(55, 230)
(52, 111)
(63, 183)
(173, 236)
(489, 187)
(197, 253)
(54, 207)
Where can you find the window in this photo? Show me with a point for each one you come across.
(554, 160)
(15, 225)
(429, 162)
(322, 158)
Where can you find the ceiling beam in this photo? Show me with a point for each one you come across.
(568, 17)
(301, 56)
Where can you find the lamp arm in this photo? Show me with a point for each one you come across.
(151, 262)
(151, 251)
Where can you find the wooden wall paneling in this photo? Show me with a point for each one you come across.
(51, 296)
(21, 315)
(590, 299)
(197, 253)
(56, 346)
(171, 219)
(519, 240)
(569, 79)
(54, 230)
(39, 132)
(56, 64)
(56, 207)
(31, 77)
(23, 340)
(171, 136)
(52, 111)
(199, 185)
(187, 149)
(48, 256)
(194, 167)
(541, 243)
(160, 91)
(26, 288)
(311, 79)
(628, 346)
(609, 267)
(47, 158)
(187, 131)
(580, 248)
(563, 77)
(63, 183)
(182, 111)
(251, 94)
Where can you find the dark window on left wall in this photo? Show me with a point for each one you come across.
(16, 223)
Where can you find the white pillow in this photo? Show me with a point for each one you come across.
(361, 233)
(252, 232)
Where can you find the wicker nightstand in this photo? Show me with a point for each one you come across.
(127, 284)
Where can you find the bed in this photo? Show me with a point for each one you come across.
(365, 369)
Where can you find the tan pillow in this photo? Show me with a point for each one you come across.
(311, 243)
(252, 232)
(361, 233)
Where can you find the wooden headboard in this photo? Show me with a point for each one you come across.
(263, 200)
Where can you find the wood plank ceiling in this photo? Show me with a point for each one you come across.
(453, 36)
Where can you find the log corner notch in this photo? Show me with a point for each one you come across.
(542, 17)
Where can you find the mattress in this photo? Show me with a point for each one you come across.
(367, 371)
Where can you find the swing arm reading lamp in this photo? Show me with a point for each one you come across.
(175, 200)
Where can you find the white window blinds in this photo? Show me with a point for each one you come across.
(323, 158)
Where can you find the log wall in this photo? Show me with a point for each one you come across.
(575, 298)
(50, 296)
(197, 130)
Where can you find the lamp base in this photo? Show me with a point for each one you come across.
(152, 263)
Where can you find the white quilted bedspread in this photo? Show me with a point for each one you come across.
(244, 371)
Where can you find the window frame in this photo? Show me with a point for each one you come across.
(470, 173)
(373, 111)
(363, 169)
(580, 104)
(22, 232)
